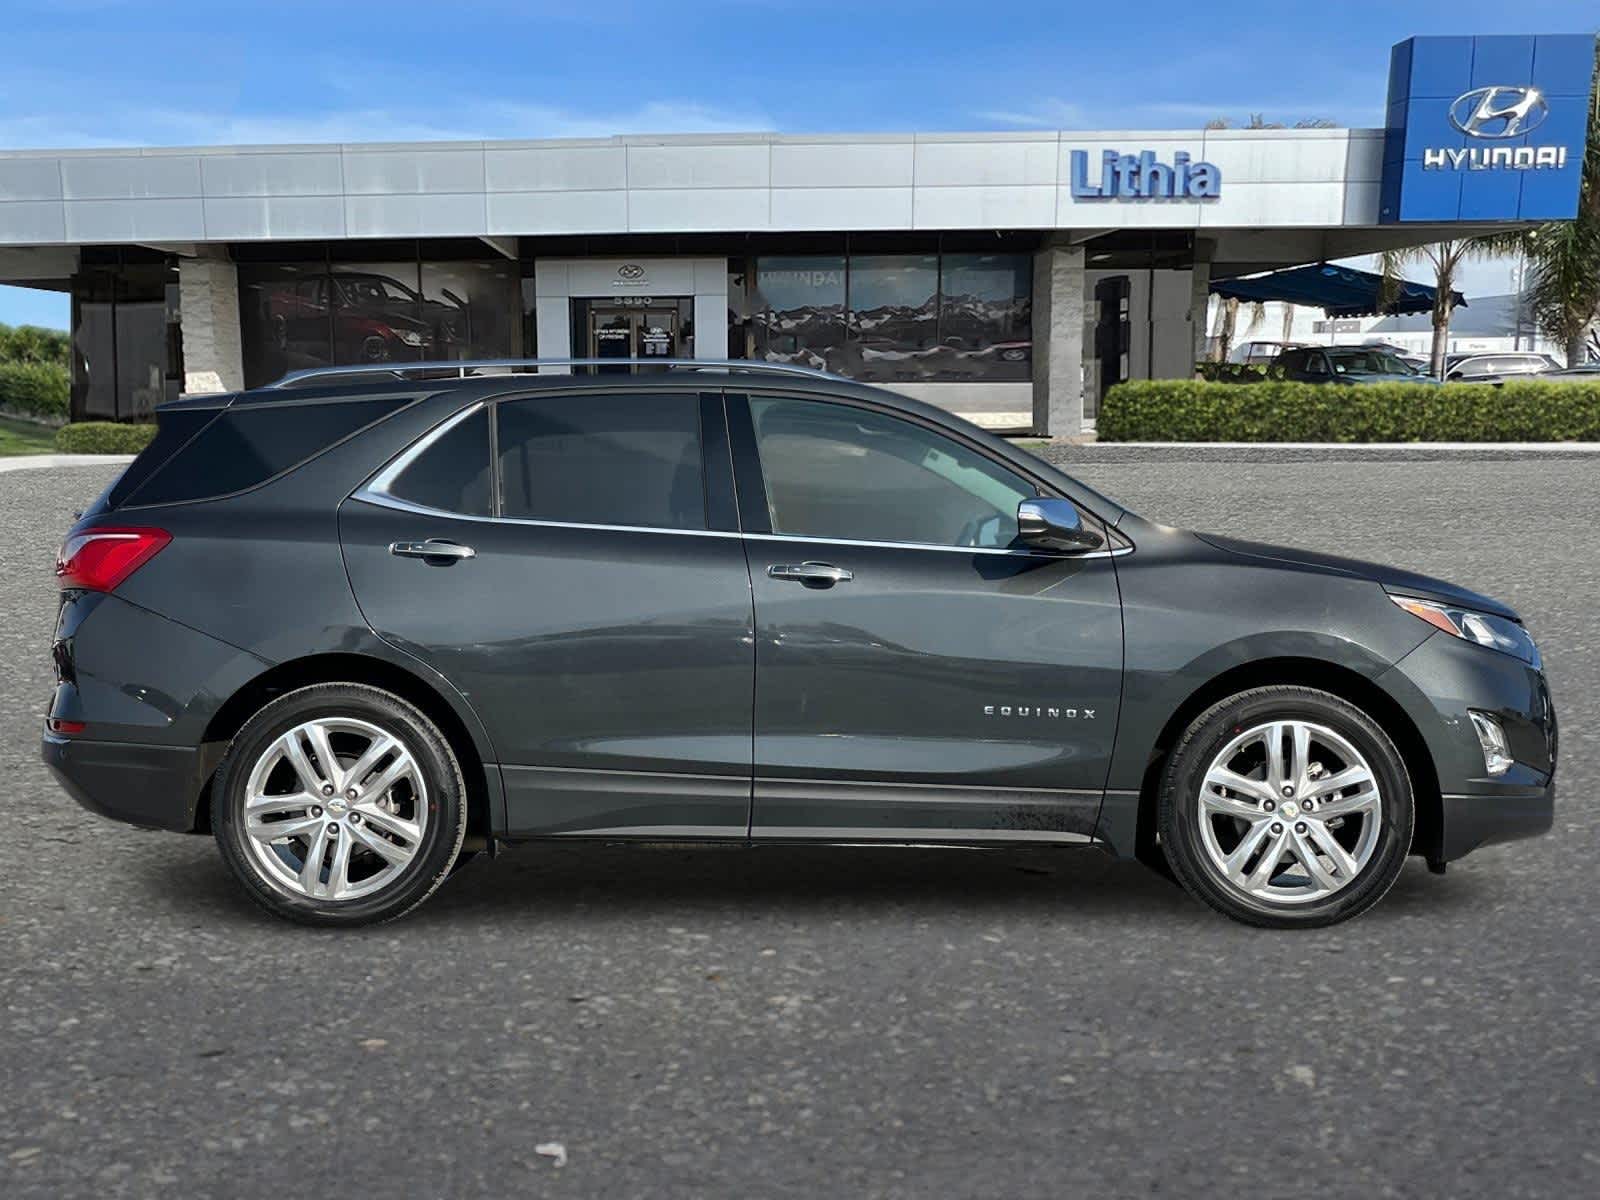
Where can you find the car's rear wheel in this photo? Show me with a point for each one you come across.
(339, 804)
(1286, 806)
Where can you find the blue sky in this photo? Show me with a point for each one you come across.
(142, 72)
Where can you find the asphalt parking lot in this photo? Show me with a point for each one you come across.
(812, 1022)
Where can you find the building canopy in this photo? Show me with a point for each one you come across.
(1338, 291)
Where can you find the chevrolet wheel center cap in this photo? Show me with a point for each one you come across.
(336, 806)
(1291, 809)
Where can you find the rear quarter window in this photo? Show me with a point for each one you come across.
(246, 446)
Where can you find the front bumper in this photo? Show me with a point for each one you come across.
(1473, 821)
(1440, 683)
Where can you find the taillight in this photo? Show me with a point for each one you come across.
(98, 560)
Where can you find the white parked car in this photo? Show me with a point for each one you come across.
(1491, 367)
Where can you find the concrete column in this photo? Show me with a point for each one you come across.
(208, 298)
(1058, 305)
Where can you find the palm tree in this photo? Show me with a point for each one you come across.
(1445, 258)
(1564, 256)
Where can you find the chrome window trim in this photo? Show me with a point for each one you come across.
(829, 541)
(384, 500)
(387, 501)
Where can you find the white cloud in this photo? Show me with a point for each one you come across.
(1045, 113)
(468, 119)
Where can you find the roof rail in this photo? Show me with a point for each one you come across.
(474, 368)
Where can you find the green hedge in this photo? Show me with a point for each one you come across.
(1187, 410)
(103, 437)
(35, 390)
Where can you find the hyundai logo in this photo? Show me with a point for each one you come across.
(630, 271)
(1499, 112)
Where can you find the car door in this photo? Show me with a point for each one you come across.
(584, 587)
(919, 677)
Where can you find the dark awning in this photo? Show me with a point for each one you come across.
(1338, 291)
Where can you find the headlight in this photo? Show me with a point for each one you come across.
(1497, 633)
(409, 336)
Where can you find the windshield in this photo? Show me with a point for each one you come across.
(374, 290)
(1368, 362)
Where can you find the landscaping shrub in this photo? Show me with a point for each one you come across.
(1275, 410)
(103, 437)
(34, 390)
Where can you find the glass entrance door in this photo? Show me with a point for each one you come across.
(617, 332)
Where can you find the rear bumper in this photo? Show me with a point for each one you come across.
(1477, 820)
(155, 787)
(145, 689)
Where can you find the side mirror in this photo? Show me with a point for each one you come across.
(1053, 524)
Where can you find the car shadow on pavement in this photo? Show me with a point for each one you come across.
(599, 882)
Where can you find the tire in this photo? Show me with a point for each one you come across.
(1330, 851)
(280, 818)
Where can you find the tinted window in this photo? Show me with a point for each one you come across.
(1289, 360)
(842, 472)
(452, 473)
(173, 429)
(603, 460)
(249, 445)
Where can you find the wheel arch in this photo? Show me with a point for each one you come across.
(457, 726)
(1347, 684)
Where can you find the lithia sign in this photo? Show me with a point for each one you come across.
(1143, 177)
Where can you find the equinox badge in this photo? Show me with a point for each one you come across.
(1047, 711)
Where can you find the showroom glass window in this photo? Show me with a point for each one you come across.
(602, 460)
(407, 303)
(838, 471)
(126, 355)
(898, 317)
(985, 317)
(800, 310)
(894, 316)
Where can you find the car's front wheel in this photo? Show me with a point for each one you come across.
(339, 804)
(1286, 806)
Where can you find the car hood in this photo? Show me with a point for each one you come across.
(1392, 579)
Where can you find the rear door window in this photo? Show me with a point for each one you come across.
(451, 473)
(603, 460)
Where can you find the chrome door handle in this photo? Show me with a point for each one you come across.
(432, 548)
(812, 574)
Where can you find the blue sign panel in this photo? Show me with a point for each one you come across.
(1486, 128)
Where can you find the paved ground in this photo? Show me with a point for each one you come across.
(804, 1022)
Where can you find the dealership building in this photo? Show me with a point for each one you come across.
(1014, 276)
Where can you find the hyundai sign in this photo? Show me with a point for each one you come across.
(1486, 128)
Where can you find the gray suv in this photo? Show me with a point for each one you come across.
(358, 627)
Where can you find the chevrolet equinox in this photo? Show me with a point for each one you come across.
(363, 623)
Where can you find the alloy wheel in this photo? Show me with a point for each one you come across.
(334, 809)
(1289, 812)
